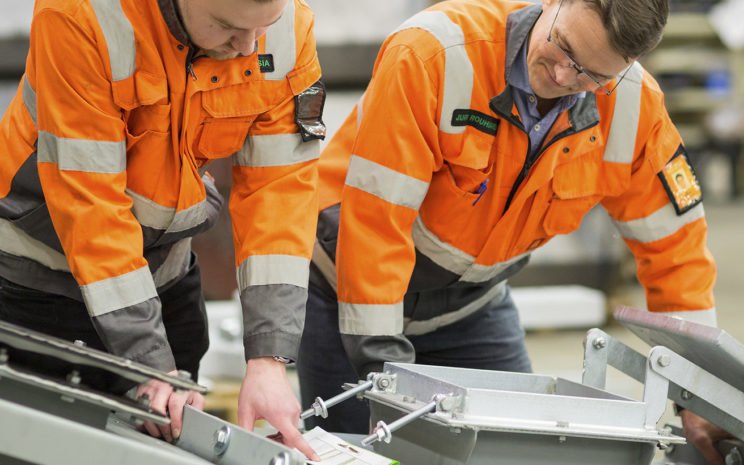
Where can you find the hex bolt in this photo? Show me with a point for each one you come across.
(320, 406)
(144, 400)
(222, 440)
(664, 360)
(80, 343)
(686, 395)
(734, 457)
(4, 356)
(282, 458)
(599, 343)
(74, 377)
(448, 403)
(383, 383)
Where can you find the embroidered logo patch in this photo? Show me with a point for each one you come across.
(476, 119)
(681, 183)
(266, 63)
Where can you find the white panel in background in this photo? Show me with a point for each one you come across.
(360, 21)
(15, 19)
(557, 307)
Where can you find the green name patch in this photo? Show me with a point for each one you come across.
(266, 63)
(476, 119)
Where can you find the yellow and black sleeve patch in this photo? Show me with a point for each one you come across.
(680, 182)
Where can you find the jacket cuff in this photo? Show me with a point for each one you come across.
(272, 344)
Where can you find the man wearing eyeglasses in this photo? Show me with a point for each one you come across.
(488, 128)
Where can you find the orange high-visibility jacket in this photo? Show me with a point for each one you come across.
(102, 156)
(437, 199)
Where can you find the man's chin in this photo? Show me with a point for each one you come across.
(217, 55)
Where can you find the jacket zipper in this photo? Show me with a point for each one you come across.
(190, 63)
(529, 162)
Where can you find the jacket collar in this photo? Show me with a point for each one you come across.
(172, 18)
(582, 115)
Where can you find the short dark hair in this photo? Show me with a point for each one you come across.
(634, 26)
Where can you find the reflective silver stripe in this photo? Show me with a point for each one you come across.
(263, 270)
(443, 254)
(119, 292)
(150, 213)
(385, 183)
(416, 328)
(326, 266)
(29, 99)
(625, 118)
(119, 34)
(455, 260)
(280, 44)
(660, 224)
(479, 273)
(360, 111)
(458, 70)
(156, 216)
(370, 319)
(18, 243)
(176, 264)
(90, 156)
(704, 317)
(277, 150)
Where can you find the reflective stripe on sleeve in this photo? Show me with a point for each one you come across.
(660, 224)
(458, 72)
(90, 156)
(263, 270)
(119, 292)
(281, 44)
(277, 150)
(622, 138)
(370, 319)
(119, 34)
(385, 183)
(704, 317)
(29, 99)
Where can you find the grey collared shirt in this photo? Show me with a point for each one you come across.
(537, 125)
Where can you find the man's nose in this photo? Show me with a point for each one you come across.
(565, 74)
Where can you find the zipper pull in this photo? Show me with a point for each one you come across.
(190, 69)
(481, 190)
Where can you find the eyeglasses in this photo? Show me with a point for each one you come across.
(584, 77)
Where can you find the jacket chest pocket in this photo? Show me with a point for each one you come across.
(573, 195)
(221, 138)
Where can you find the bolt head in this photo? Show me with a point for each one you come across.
(599, 343)
(664, 360)
(686, 395)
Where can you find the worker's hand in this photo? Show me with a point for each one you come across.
(266, 394)
(703, 435)
(164, 400)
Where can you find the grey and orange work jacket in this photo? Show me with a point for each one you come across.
(429, 201)
(102, 155)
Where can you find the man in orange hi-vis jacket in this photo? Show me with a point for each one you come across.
(488, 128)
(102, 183)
